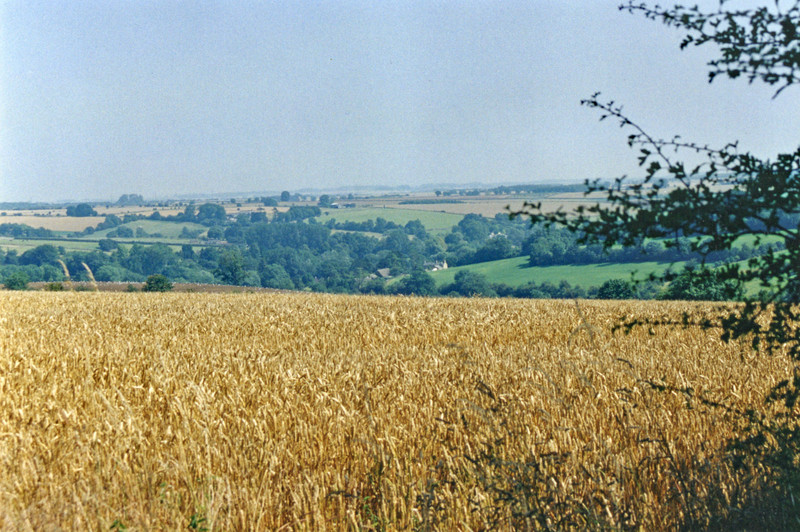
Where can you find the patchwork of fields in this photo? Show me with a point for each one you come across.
(311, 411)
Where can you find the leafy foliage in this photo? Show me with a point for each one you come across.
(419, 283)
(467, 283)
(210, 213)
(231, 267)
(157, 283)
(81, 209)
(702, 284)
(616, 289)
(759, 44)
(16, 281)
(40, 255)
(728, 196)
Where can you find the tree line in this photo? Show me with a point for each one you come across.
(292, 250)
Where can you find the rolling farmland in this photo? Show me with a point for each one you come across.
(310, 411)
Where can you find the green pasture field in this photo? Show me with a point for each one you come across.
(22, 245)
(174, 247)
(516, 272)
(150, 240)
(166, 229)
(437, 223)
(751, 240)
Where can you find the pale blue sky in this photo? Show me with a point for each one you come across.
(104, 97)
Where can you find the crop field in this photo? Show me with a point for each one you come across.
(55, 223)
(490, 206)
(23, 245)
(319, 412)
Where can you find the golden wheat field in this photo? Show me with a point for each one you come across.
(321, 412)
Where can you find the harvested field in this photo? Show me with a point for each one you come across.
(311, 412)
(55, 223)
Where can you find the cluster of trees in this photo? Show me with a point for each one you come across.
(478, 239)
(471, 284)
(289, 251)
(551, 246)
(308, 256)
(294, 251)
(81, 209)
(379, 225)
(688, 286)
(130, 199)
(25, 231)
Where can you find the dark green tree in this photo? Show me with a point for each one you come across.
(215, 233)
(157, 283)
(496, 248)
(275, 276)
(258, 217)
(81, 209)
(231, 267)
(17, 281)
(296, 213)
(130, 199)
(107, 244)
(112, 220)
(122, 232)
(189, 213)
(234, 234)
(616, 289)
(187, 252)
(474, 227)
(155, 258)
(211, 213)
(418, 283)
(415, 227)
(40, 255)
(469, 284)
(703, 284)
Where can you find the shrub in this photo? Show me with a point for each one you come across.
(616, 289)
(107, 244)
(17, 281)
(157, 283)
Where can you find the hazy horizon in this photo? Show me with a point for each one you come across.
(162, 98)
